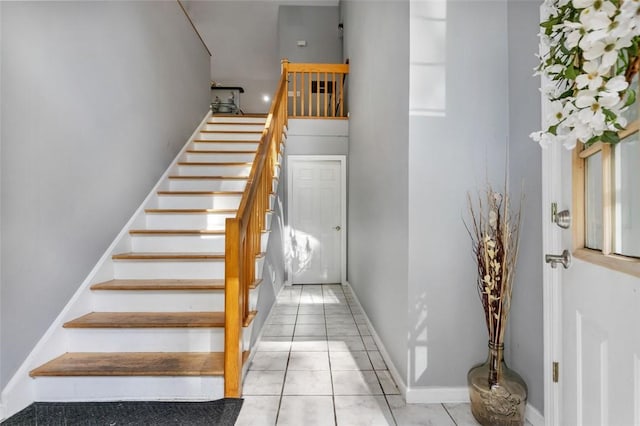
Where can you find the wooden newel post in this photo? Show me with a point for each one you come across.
(233, 314)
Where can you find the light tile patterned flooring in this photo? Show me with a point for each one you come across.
(317, 364)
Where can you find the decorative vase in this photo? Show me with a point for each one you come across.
(498, 394)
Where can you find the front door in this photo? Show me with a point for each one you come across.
(592, 310)
(316, 228)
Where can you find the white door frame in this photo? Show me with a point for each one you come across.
(552, 283)
(343, 206)
(551, 278)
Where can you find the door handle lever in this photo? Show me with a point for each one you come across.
(564, 259)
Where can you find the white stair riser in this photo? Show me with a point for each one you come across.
(236, 119)
(222, 146)
(128, 388)
(232, 157)
(177, 243)
(146, 340)
(207, 184)
(223, 170)
(187, 221)
(268, 219)
(229, 136)
(157, 301)
(184, 243)
(199, 202)
(164, 301)
(257, 127)
(171, 269)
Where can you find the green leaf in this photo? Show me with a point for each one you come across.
(611, 137)
(566, 94)
(592, 141)
(570, 72)
(553, 129)
(631, 98)
(611, 116)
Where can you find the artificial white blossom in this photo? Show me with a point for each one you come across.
(590, 45)
(593, 77)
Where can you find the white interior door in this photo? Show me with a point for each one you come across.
(316, 219)
(592, 323)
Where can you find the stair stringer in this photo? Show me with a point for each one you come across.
(272, 277)
(20, 391)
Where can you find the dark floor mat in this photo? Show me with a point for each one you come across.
(221, 412)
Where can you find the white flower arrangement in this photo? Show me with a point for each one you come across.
(591, 58)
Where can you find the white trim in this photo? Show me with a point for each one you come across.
(533, 416)
(20, 392)
(437, 394)
(431, 394)
(400, 382)
(551, 278)
(343, 207)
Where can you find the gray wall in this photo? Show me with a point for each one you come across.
(413, 186)
(376, 33)
(454, 151)
(273, 273)
(243, 38)
(526, 326)
(97, 99)
(318, 26)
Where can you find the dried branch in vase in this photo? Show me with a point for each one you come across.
(494, 232)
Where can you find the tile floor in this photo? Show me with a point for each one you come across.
(317, 364)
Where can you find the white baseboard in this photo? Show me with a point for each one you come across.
(534, 416)
(400, 382)
(437, 394)
(20, 391)
(431, 394)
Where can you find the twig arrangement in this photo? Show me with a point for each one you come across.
(494, 232)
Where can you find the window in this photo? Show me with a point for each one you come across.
(606, 183)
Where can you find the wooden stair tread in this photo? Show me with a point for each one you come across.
(210, 177)
(134, 364)
(225, 141)
(200, 192)
(151, 285)
(191, 151)
(236, 123)
(190, 211)
(177, 232)
(160, 285)
(147, 320)
(167, 256)
(233, 131)
(244, 114)
(195, 163)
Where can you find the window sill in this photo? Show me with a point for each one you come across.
(626, 265)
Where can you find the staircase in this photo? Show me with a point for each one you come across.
(156, 327)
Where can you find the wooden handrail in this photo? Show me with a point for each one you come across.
(244, 231)
(243, 238)
(194, 27)
(322, 68)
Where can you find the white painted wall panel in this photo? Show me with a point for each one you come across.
(376, 37)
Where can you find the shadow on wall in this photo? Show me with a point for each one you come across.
(273, 273)
(418, 349)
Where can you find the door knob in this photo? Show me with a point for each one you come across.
(564, 259)
(337, 228)
(562, 219)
